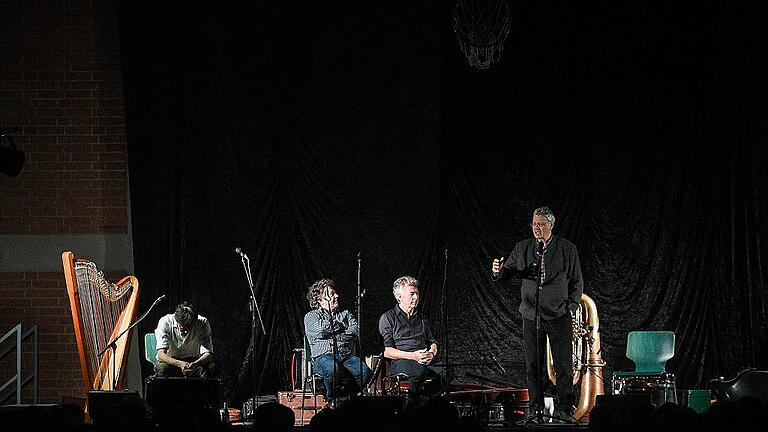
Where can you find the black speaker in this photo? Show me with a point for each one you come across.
(165, 395)
(100, 401)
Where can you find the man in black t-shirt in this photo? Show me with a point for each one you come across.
(408, 338)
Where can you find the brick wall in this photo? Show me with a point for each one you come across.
(35, 298)
(60, 83)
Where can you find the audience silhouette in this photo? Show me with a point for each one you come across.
(374, 415)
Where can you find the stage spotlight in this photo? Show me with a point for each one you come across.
(11, 158)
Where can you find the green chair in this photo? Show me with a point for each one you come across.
(150, 348)
(649, 350)
(310, 377)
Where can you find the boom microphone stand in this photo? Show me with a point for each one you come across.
(444, 316)
(113, 343)
(255, 312)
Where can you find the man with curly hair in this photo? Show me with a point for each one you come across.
(184, 345)
(326, 325)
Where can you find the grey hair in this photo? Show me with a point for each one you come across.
(401, 282)
(547, 213)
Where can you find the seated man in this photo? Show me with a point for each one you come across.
(324, 324)
(408, 339)
(184, 347)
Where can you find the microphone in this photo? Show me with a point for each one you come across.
(360, 291)
(159, 299)
(241, 253)
(541, 248)
(498, 364)
(326, 295)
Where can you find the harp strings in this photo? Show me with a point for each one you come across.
(101, 304)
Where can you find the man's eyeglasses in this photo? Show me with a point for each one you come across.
(539, 224)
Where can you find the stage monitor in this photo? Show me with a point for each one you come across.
(166, 396)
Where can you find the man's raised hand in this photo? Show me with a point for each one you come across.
(497, 263)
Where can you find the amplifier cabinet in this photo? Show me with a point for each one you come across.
(251, 404)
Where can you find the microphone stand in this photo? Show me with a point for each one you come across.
(253, 306)
(539, 415)
(360, 295)
(113, 344)
(334, 351)
(444, 316)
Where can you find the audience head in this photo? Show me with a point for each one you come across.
(273, 417)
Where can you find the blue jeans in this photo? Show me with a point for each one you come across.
(324, 366)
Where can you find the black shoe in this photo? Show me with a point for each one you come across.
(531, 420)
(562, 416)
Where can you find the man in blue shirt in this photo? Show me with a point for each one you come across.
(326, 323)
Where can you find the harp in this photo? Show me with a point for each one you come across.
(100, 311)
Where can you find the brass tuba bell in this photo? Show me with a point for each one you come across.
(587, 360)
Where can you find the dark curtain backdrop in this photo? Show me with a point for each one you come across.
(306, 132)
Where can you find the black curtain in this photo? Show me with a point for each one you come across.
(306, 132)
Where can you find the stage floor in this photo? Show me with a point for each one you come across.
(243, 426)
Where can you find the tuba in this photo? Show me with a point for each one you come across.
(587, 360)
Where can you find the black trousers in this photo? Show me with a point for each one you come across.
(418, 374)
(561, 340)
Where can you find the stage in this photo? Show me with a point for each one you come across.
(243, 426)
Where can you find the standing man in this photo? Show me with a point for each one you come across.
(562, 286)
(184, 346)
(408, 338)
(322, 325)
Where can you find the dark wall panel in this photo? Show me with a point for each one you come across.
(308, 132)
